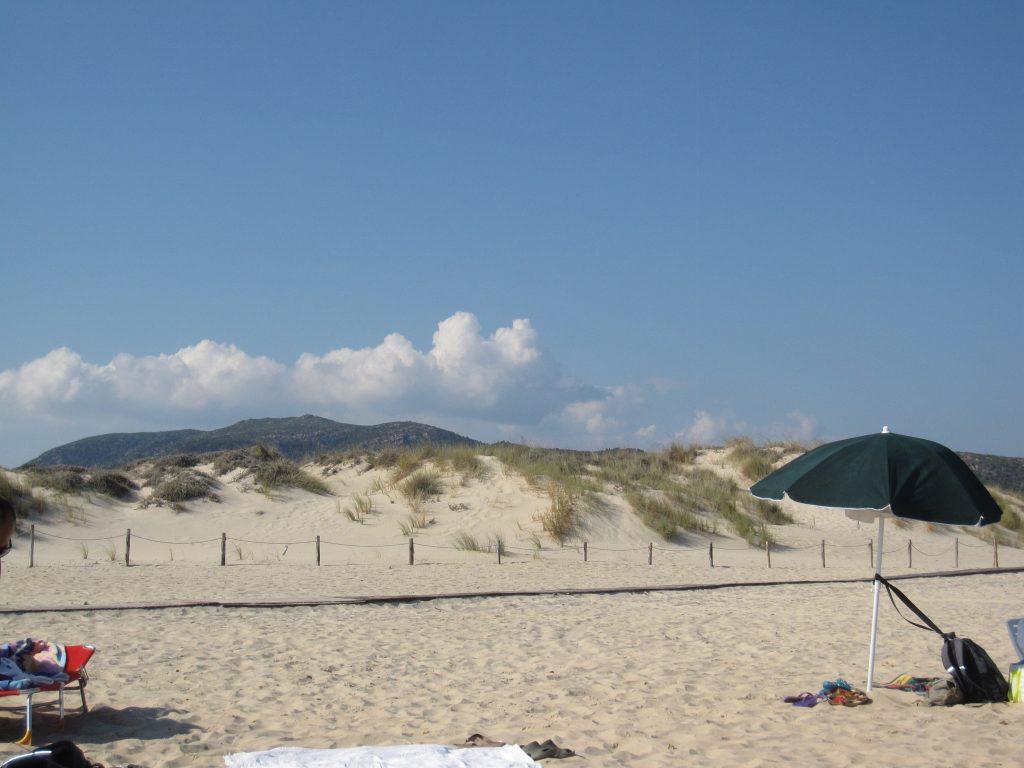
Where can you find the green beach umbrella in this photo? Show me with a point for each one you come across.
(883, 475)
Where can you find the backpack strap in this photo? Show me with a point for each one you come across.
(892, 589)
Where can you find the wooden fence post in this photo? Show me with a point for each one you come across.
(318, 549)
(128, 548)
(711, 553)
(497, 546)
(650, 553)
(768, 551)
(871, 553)
(822, 553)
(32, 547)
(956, 552)
(995, 549)
(412, 552)
(910, 553)
(584, 551)
(223, 549)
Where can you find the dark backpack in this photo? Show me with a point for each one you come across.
(976, 676)
(973, 670)
(60, 754)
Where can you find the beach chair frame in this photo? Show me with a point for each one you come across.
(77, 656)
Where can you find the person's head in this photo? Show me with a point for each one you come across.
(6, 526)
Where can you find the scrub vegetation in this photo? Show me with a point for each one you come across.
(677, 492)
(76, 480)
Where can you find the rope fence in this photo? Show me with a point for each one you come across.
(583, 549)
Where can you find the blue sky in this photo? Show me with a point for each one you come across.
(784, 219)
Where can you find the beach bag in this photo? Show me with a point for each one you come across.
(1017, 683)
(975, 674)
(60, 754)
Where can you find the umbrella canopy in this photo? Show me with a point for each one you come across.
(879, 476)
(911, 477)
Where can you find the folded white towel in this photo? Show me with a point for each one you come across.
(408, 756)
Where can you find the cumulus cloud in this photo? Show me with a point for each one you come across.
(502, 377)
(706, 429)
(646, 433)
(710, 429)
(592, 415)
(194, 378)
(490, 385)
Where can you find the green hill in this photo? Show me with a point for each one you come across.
(1006, 472)
(295, 437)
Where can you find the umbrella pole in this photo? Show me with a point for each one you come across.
(874, 607)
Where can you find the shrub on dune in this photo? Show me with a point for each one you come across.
(187, 485)
(113, 484)
(69, 480)
(284, 473)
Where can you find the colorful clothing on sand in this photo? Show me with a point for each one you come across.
(907, 682)
(28, 663)
(837, 692)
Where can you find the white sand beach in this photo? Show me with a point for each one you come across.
(650, 679)
(627, 680)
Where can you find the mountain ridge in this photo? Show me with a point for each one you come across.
(294, 436)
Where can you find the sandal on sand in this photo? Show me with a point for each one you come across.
(547, 749)
(805, 699)
(851, 698)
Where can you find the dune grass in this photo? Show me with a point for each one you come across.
(421, 486)
(544, 467)
(770, 512)
(666, 515)
(414, 523)
(682, 454)
(463, 461)
(561, 520)
(630, 469)
(359, 509)
(720, 495)
(467, 542)
(284, 473)
(753, 461)
(385, 458)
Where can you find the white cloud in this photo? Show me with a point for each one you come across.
(705, 429)
(57, 377)
(646, 433)
(591, 415)
(360, 377)
(489, 385)
(194, 378)
(208, 374)
(503, 378)
(804, 428)
(710, 429)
